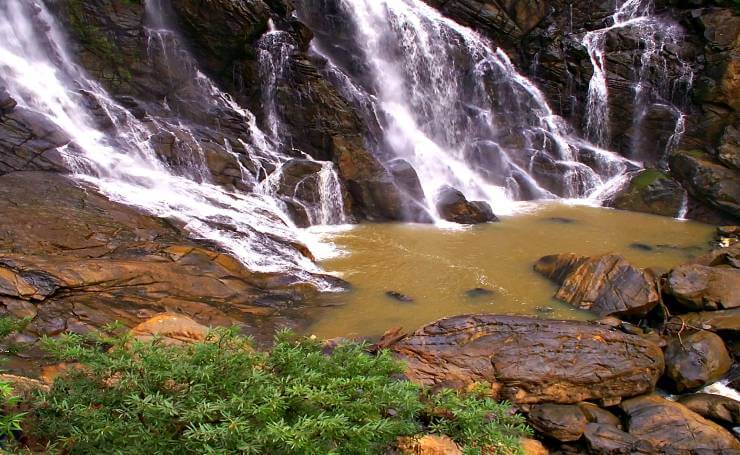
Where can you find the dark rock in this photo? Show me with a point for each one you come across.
(479, 292)
(603, 439)
(722, 410)
(725, 322)
(595, 414)
(695, 360)
(708, 180)
(641, 247)
(395, 295)
(529, 360)
(729, 150)
(561, 220)
(696, 287)
(407, 179)
(673, 428)
(651, 191)
(29, 141)
(607, 285)
(453, 206)
(558, 421)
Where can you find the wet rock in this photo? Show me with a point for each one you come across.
(29, 142)
(641, 247)
(725, 322)
(604, 439)
(695, 360)
(562, 422)
(651, 191)
(729, 150)
(595, 414)
(561, 220)
(300, 184)
(407, 179)
(399, 297)
(722, 410)
(528, 360)
(170, 329)
(673, 428)
(453, 206)
(478, 292)
(708, 180)
(428, 445)
(696, 287)
(607, 285)
(727, 256)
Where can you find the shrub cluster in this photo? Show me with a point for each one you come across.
(221, 396)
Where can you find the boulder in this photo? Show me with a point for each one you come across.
(604, 439)
(529, 360)
(696, 287)
(564, 422)
(723, 410)
(725, 322)
(673, 428)
(170, 329)
(695, 360)
(608, 285)
(533, 447)
(708, 180)
(651, 191)
(725, 256)
(428, 445)
(595, 414)
(453, 206)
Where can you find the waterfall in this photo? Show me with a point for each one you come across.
(653, 86)
(121, 162)
(453, 105)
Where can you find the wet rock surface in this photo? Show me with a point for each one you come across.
(722, 410)
(453, 206)
(673, 428)
(695, 360)
(607, 285)
(532, 361)
(79, 261)
(651, 191)
(696, 287)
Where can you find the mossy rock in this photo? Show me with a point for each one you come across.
(652, 191)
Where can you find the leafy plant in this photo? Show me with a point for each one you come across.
(10, 420)
(221, 396)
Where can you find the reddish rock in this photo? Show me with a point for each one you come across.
(695, 360)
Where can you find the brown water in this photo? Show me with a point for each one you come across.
(436, 266)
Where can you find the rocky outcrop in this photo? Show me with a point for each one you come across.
(651, 191)
(708, 180)
(453, 206)
(695, 360)
(696, 287)
(108, 262)
(673, 428)
(532, 361)
(607, 285)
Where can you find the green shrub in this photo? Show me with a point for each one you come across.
(221, 396)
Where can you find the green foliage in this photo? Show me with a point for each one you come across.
(220, 396)
(10, 420)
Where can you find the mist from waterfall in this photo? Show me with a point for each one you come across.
(41, 76)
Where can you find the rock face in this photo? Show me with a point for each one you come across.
(108, 262)
(672, 428)
(696, 287)
(453, 206)
(532, 361)
(607, 285)
(651, 191)
(708, 180)
(696, 360)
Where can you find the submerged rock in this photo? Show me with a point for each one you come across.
(695, 360)
(607, 285)
(673, 428)
(453, 206)
(528, 360)
(478, 293)
(399, 297)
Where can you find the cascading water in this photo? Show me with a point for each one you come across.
(653, 85)
(454, 107)
(40, 75)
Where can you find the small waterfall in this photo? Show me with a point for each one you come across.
(453, 105)
(123, 165)
(654, 86)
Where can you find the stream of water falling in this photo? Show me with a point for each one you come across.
(455, 107)
(41, 76)
(652, 84)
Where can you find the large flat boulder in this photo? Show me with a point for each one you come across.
(673, 428)
(529, 360)
(608, 285)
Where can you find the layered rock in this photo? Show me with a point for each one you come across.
(532, 361)
(607, 285)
